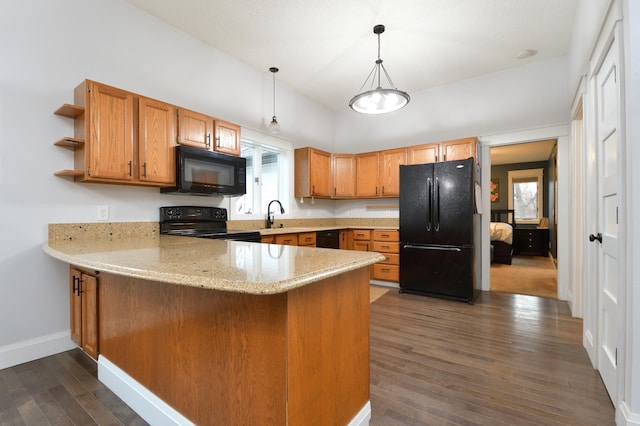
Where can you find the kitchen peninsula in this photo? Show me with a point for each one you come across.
(228, 332)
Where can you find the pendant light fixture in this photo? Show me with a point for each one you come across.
(274, 127)
(379, 100)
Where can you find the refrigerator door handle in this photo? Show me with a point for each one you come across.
(412, 246)
(429, 195)
(437, 205)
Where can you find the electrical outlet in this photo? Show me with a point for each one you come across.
(103, 213)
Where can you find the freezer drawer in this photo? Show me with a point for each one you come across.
(437, 271)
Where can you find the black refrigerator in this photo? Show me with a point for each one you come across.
(437, 207)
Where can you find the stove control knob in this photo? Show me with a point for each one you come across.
(169, 212)
(178, 213)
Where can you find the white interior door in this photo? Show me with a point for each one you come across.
(608, 113)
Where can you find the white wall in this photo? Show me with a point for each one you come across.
(530, 96)
(47, 48)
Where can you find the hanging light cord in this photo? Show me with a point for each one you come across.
(375, 72)
(274, 94)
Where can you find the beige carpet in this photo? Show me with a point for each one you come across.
(532, 275)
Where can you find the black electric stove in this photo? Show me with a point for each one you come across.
(201, 222)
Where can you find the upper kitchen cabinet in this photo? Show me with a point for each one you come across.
(205, 132)
(312, 173)
(156, 136)
(390, 162)
(227, 137)
(367, 178)
(459, 149)
(343, 173)
(119, 137)
(421, 154)
(194, 129)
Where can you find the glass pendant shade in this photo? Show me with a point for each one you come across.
(274, 127)
(379, 100)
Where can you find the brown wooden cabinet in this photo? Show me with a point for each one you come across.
(286, 239)
(84, 310)
(367, 175)
(227, 137)
(386, 242)
(390, 162)
(120, 137)
(343, 175)
(457, 149)
(421, 154)
(312, 173)
(194, 129)
(307, 239)
(156, 136)
(360, 239)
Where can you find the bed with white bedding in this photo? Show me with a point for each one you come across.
(501, 232)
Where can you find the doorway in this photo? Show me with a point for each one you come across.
(523, 236)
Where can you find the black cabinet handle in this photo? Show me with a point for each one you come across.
(77, 288)
(598, 237)
(144, 169)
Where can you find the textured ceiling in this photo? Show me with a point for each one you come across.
(522, 153)
(325, 49)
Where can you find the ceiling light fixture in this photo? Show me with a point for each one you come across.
(274, 127)
(379, 100)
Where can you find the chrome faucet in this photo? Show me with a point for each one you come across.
(270, 218)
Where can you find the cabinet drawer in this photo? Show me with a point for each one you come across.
(361, 234)
(307, 239)
(287, 239)
(385, 272)
(268, 239)
(385, 247)
(361, 245)
(382, 235)
(391, 259)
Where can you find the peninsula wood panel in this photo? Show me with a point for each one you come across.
(328, 360)
(230, 358)
(216, 357)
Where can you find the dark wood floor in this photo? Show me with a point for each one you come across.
(506, 360)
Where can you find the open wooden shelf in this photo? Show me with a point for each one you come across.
(69, 173)
(68, 110)
(72, 143)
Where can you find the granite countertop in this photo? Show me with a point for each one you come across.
(297, 229)
(214, 264)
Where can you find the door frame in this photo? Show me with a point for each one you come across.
(561, 133)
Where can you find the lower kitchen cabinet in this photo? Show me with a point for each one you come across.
(307, 239)
(287, 239)
(83, 288)
(388, 244)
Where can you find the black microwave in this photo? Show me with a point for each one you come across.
(202, 172)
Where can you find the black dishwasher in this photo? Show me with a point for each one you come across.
(328, 239)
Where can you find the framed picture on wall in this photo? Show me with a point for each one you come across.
(495, 190)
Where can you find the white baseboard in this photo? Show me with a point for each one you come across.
(626, 417)
(157, 412)
(148, 406)
(385, 283)
(363, 417)
(40, 347)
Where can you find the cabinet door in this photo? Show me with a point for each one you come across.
(194, 129)
(90, 315)
(75, 303)
(312, 173)
(307, 239)
(110, 144)
(360, 245)
(227, 136)
(459, 149)
(390, 162)
(421, 154)
(344, 239)
(344, 175)
(367, 174)
(156, 139)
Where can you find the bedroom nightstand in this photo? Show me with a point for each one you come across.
(533, 241)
